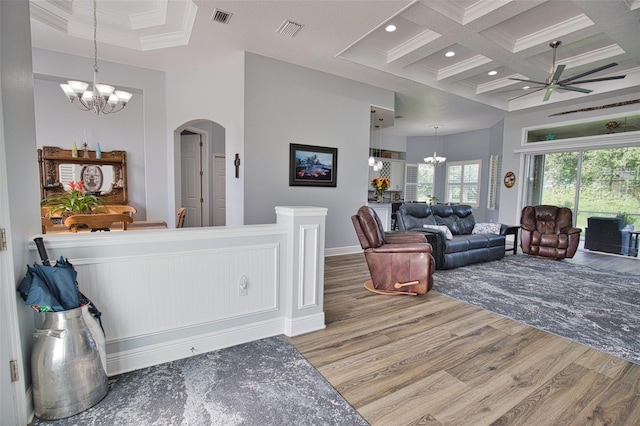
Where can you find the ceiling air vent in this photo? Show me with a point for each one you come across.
(289, 28)
(221, 16)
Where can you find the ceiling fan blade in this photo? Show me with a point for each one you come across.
(558, 73)
(528, 93)
(604, 67)
(528, 81)
(574, 89)
(593, 80)
(548, 93)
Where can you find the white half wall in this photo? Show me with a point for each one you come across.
(172, 293)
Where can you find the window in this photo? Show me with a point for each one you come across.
(593, 182)
(425, 182)
(463, 182)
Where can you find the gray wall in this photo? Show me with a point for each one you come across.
(476, 145)
(120, 131)
(140, 129)
(287, 104)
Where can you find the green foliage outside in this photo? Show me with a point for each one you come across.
(425, 183)
(609, 183)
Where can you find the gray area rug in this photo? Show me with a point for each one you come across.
(266, 382)
(596, 308)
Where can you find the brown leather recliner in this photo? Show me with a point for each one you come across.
(548, 231)
(399, 262)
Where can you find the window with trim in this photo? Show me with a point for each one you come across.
(425, 182)
(463, 182)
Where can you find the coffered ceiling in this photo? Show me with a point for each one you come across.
(349, 39)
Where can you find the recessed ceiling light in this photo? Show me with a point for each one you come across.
(390, 28)
(526, 87)
(494, 72)
(450, 54)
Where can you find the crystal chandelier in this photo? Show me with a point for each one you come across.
(103, 98)
(435, 161)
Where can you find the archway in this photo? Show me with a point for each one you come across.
(200, 172)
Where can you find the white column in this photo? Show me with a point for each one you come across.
(304, 272)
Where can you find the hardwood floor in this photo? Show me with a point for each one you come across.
(431, 360)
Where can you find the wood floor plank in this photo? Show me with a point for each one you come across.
(432, 360)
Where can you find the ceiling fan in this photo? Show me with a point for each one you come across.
(553, 81)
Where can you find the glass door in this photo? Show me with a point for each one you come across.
(602, 182)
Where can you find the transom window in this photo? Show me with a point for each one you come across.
(463, 182)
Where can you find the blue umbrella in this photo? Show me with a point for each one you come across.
(51, 286)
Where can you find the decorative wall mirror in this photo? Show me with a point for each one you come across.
(105, 177)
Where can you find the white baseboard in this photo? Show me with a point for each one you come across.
(304, 325)
(337, 251)
(121, 362)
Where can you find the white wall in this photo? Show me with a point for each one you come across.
(139, 129)
(19, 198)
(215, 93)
(286, 104)
(510, 198)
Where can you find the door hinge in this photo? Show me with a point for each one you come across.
(13, 366)
(3, 240)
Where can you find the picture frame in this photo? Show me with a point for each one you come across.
(311, 165)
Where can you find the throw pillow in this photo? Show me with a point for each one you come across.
(443, 229)
(486, 228)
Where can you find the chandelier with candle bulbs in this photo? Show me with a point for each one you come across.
(435, 161)
(102, 98)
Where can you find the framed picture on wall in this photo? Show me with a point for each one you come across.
(312, 165)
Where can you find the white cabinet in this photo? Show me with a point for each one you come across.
(396, 175)
(391, 169)
(383, 210)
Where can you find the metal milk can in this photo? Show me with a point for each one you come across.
(68, 364)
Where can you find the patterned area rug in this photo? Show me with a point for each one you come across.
(596, 308)
(266, 382)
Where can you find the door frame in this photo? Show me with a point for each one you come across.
(206, 172)
(214, 205)
(12, 348)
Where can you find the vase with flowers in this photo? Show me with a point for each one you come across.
(380, 185)
(73, 201)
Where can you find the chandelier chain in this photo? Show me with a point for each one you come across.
(95, 35)
(102, 98)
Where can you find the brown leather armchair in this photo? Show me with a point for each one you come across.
(399, 262)
(548, 231)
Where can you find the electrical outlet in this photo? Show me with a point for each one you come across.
(243, 289)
